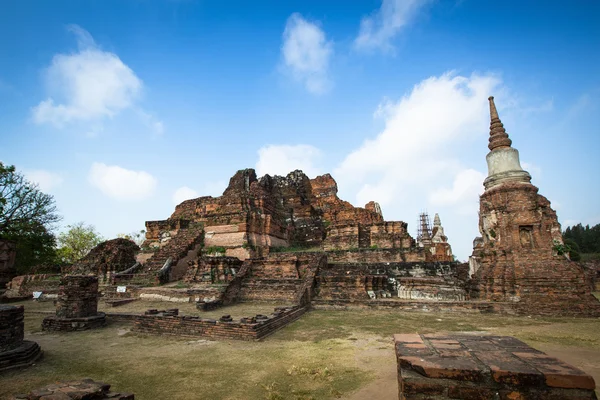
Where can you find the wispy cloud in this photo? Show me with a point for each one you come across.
(46, 180)
(378, 30)
(306, 53)
(88, 85)
(182, 194)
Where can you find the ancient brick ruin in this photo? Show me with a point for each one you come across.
(519, 257)
(22, 286)
(455, 366)
(77, 305)
(8, 252)
(106, 259)
(14, 351)
(81, 389)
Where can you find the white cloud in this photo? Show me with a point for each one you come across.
(306, 53)
(464, 193)
(283, 159)
(184, 193)
(378, 29)
(45, 180)
(120, 183)
(413, 164)
(87, 85)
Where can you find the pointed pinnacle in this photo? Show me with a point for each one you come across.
(498, 136)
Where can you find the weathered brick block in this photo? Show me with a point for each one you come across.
(483, 367)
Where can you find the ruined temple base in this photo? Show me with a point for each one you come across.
(54, 323)
(82, 389)
(26, 354)
(460, 366)
(507, 308)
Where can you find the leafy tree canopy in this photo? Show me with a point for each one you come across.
(27, 217)
(587, 238)
(22, 204)
(74, 244)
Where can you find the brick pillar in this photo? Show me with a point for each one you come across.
(77, 296)
(11, 327)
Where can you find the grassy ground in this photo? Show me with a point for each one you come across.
(324, 355)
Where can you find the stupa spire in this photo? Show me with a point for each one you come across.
(498, 136)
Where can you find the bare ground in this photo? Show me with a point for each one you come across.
(324, 355)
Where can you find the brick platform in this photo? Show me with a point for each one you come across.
(14, 351)
(473, 367)
(82, 389)
(169, 322)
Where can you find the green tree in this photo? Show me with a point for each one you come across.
(27, 216)
(574, 251)
(22, 203)
(75, 243)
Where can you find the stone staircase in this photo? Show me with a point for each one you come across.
(178, 248)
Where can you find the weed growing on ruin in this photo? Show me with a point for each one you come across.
(215, 250)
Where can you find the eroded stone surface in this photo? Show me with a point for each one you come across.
(79, 389)
(440, 366)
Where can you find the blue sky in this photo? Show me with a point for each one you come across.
(120, 109)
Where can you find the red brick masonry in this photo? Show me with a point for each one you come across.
(436, 366)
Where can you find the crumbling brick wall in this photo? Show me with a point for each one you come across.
(519, 256)
(25, 285)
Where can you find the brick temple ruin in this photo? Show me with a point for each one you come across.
(293, 241)
(520, 258)
(281, 238)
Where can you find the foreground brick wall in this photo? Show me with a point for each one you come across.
(11, 327)
(250, 328)
(14, 351)
(439, 366)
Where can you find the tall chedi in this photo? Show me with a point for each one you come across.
(519, 256)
